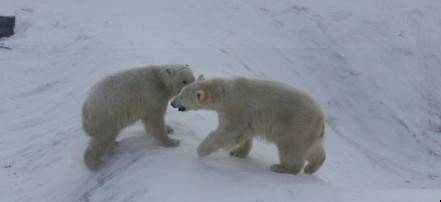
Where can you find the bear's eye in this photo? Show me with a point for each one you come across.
(200, 94)
(184, 82)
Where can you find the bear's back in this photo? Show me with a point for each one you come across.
(273, 91)
(274, 99)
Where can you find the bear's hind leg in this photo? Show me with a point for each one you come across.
(97, 148)
(291, 161)
(315, 159)
(243, 150)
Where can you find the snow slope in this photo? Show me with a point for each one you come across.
(374, 66)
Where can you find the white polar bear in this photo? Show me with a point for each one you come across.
(125, 97)
(246, 108)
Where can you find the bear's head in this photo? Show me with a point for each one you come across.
(178, 76)
(200, 94)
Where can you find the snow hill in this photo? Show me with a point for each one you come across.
(374, 66)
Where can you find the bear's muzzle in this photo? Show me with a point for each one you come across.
(177, 102)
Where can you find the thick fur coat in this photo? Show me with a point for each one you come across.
(247, 108)
(123, 98)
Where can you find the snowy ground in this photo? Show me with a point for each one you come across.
(374, 66)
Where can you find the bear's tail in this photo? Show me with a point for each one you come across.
(86, 121)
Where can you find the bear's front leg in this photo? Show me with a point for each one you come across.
(215, 140)
(205, 148)
(155, 125)
(169, 129)
(243, 150)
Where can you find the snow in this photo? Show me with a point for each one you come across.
(374, 66)
(6, 11)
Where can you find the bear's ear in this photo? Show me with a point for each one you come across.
(170, 72)
(201, 78)
(200, 95)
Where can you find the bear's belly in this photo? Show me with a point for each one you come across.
(128, 114)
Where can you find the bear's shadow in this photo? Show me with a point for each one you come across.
(253, 165)
(133, 142)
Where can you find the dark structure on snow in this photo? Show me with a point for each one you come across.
(7, 24)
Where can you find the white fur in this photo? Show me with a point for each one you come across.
(247, 108)
(125, 97)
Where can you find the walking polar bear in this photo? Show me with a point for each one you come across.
(125, 97)
(249, 108)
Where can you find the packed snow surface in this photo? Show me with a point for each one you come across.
(374, 66)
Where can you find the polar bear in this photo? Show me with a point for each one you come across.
(249, 108)
(125, 97)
